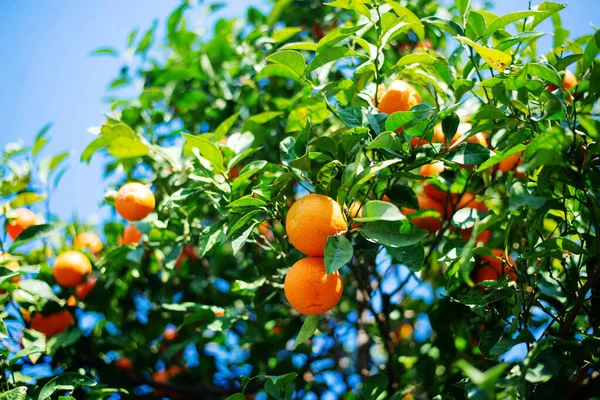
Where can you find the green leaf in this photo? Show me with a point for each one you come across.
(499, 157)
(387, 140)
(330, 55)
(50, 164)
(545, 73)
(209, 237)
(26, 352)
(393, 233)
(37, 287)
(289, 61)
(18, 393)
(67, 381)
(469, 154)
(247, 201)
(207, 149)
(564, 62)
(286, 33)
(591, 50)
(40, 139)
(410, 17)
(508, 19)
(25, 199)
(36, 232)
(418, 58)
(95, 145)
(522, 37)
(308, 329)
(544, 366)
(412, 256)
(337, 35)
(494, 58)
(448, 26)
(225, 126)
(376, 210)
(237, 396)
(105, 51)
(374, 386)
(3, 330)
(355, 5)
(338, 252)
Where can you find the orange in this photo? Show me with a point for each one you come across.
(309, 289)
(70, 268)
(89, 240)
(511, 163)
(71, 301)
(174, 370)
(483, 237)
(83, 289)
(131, 235)
(463, 128)
(399, 96)
(170, 333)
(19, 220)
(124, 363)
(160, 377)
(424, 44)
(485, 273)
(467, 200)
(405, 331)
(569, 81)
(498, 264)
(52, 324)
(435, 193)
(266, 230)
(433, 169)
(134, 201)
(13, 265)
(430, 224)
(355, 211)
(438, 137)
(311, 220)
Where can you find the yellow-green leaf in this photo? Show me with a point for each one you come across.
(496, 59)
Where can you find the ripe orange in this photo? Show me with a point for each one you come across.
(424, 44)
(311, 220)
(405, 331)
(170, 333)
(83, 289)
(174, 370)
(13, 265)
(464, 128)
(569, 81)
(124, 363)
(497, 263)
(435, 193)
(438, 137)
(399, 96)
(19, 220)
(485, 273)
(71, 301)
(160, 377)
(309, 289)
(483, 237)
(355, 211)
(134, 201)
(131, 235)
(467, 200)
(89, 240)
(70, 268)
(511, 163)
(430, 224)
(52, 324)
(266, 230)
(433, 169)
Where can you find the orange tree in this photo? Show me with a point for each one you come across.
(420, 181)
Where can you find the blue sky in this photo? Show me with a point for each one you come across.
(47, 75)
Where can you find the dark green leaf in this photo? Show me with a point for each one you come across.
(308, 329)
(338, 252)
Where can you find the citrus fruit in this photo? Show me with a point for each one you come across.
(430, 224)
(131, 235)
(70, 268)
(511, 163)
(311, 220)
(124, 363)
(52, 324)
(437, 137)
(433, 169)
(485, 273)
(499, 265)
(89, 240)
(399, 96)
(13, 265)
(19, 220)
(309, 289)
(83, 289)
(463, 128)
(569, 81)
(134, 201)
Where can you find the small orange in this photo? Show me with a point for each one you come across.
(70, 268)
(170, 333)
(498, 264)
(174, 370)
(430, 224)
(89, 240)
(569, 81)
(19, 220)
(160, 377)
(405, 331)
(511, 163)
(13, 265)
(134, 201)
(355, 211)
(131, 235)
(399, 96)
(311, 220)
(483, 237)
(309, 289)
(463, 128)
(424, 44)
(433, 169)
(266, 230)
(83, 289)
(52, 324)
(71, 301)
(124, 363)
(485, 273)
(435, 193)
(438, 137)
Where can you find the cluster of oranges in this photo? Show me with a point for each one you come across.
(309, 222)
(493, 268)
(72, 268)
